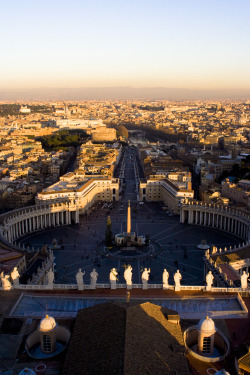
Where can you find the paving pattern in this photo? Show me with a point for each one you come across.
(179, 245)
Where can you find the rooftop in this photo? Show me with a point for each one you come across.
(114, 334)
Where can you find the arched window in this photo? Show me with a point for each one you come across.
(46, 343)
(206, 345)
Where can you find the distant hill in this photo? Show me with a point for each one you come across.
(123, 93)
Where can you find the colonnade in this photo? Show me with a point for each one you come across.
(19, 222)
(225, 218)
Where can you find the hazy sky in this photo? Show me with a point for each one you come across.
(141, 43)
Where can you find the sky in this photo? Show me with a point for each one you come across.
(193, 44)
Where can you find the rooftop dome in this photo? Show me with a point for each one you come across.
(27, 371)
(47, 324)
(206, 326)
(222, 372)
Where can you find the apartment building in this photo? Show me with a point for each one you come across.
(159, 188)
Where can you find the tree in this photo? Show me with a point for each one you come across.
(122, 131)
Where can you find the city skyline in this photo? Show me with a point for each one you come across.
(194, 46)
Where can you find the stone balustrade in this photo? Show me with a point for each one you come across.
(201, 288)
(221, 217)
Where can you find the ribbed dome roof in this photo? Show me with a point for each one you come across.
(206, 325)
(47, 324)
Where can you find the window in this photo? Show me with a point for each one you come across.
(46, 343)
(206, 345)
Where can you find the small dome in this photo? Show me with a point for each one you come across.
(47, 324)
(27, 371)
(206, 326)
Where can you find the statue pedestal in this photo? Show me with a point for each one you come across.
(49, 286)
(129, 286)
(208, 288)
(80, 287)
(165, 286)
(144, 286)
(177, 288)
(92, 286)
(112, 284)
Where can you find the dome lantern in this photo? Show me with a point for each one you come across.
(47, 329)
(206, 331)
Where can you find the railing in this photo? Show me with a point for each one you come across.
(134, 286)
(195, 287)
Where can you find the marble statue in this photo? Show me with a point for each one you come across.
(145, 278)
(50, 277)
(6, 284)
(79, 279)
(15, 276)
(93, 278)
(165, 277)
(209, 280)
(128, 276)
(243, 280)
(177, 280)
(113, 277)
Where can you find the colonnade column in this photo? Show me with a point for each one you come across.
(209, 219)
(182, 215)
(236, 227)
(205, 218)
(232, 225)
(30, 224)
(225, 223)
(34, 223)
(220, 224)
(196, 217)
(76, 216)
(190, 217)
(16, 229)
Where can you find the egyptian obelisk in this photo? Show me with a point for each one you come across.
(129, 219)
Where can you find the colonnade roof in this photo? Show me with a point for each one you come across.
(237, 255)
